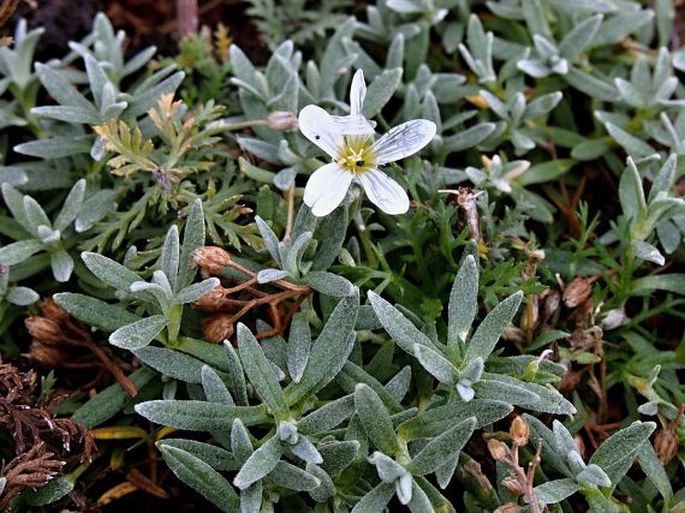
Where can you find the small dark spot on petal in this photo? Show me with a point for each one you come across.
(317, 137)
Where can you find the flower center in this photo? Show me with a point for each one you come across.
(356, 155)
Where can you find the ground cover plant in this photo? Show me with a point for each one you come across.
(414, 255)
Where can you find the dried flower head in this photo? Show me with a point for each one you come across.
(213, 259)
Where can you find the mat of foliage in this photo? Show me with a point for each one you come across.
(180, 331)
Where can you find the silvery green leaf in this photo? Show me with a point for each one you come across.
(293, 254)
(654, 470)
(436, 364)
(631, 193)
(495, 104)
(442, 447)
(420, 502)
(593, 475)
(329, 283)
(337, 456)
(19, 251)
(664, 178)
(193, 238)
(264, 150)
(399, 385)
(563, 439)
(328, 416)
(251, 498)
(218, 458)
(375, 419)
(168, 260)
(196, 290)
(616, 454)
(670, 236)
(326, 488)
(47, 235)
(556, 455)
(268, 275)
(553, 492)
(463, 302)
(404, 488)
(56, 147)
(146, 95)
(285, 178)
(259, 464)
(69, 114)
(22, 296)
(534, 14)
(138, 334)
(201, 415)
(35, 214)
(173, 364)
(306, 451)
(260, 373)
(504, 388)
(13, 175)
(329, 352)
(200, 476)
(580, 37)
(293, 478)
(534, 67)
(240, 441)
(214, 387)
(236, 374)
(161, 294)
(97, 78)
(62, 265)
(542, 105)
(617, 27)
(270, 239)
(95, 312)
(139, 60)
(468, 138)
(487, 334)
(592, 86)
(388, 469)
(94, 209)
(351, 375)
(472, 372)
(72, 205)
(62, 90)
(109, 271)
(630, 94)
(376, 500)
(242, 68)
(381, 90)
(299, 346)
(49, 493)
(645, 251)
(397, 325)
(632, 145)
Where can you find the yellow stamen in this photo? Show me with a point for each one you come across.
(356, 155)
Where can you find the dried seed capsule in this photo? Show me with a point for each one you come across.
(498, 450)
(282, 120)
(44, 330)
(666, 445)
(519, 431)
(577, 292)
(211, 258)
(512, 484)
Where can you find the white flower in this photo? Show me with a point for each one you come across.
(350, 141)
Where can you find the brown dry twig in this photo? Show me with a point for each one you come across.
(55, 333)
(229, 305)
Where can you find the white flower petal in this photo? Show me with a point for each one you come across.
(326, 189)
(384, 192)
(353, 125)
(357, 93)
(322, 129)
(403, 140)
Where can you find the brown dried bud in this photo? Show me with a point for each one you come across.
(530, 315)
(514, 334)
(211, 301)
(53, 311)
(509, 507)
(48, 357)
(666, 445)
(498, 450)
(282, 120)
(550, 307)
(512, 484)
(577, 292)
(44, 330)
(211, 258)
(569, 382)
(217, 328)
(519, 431)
